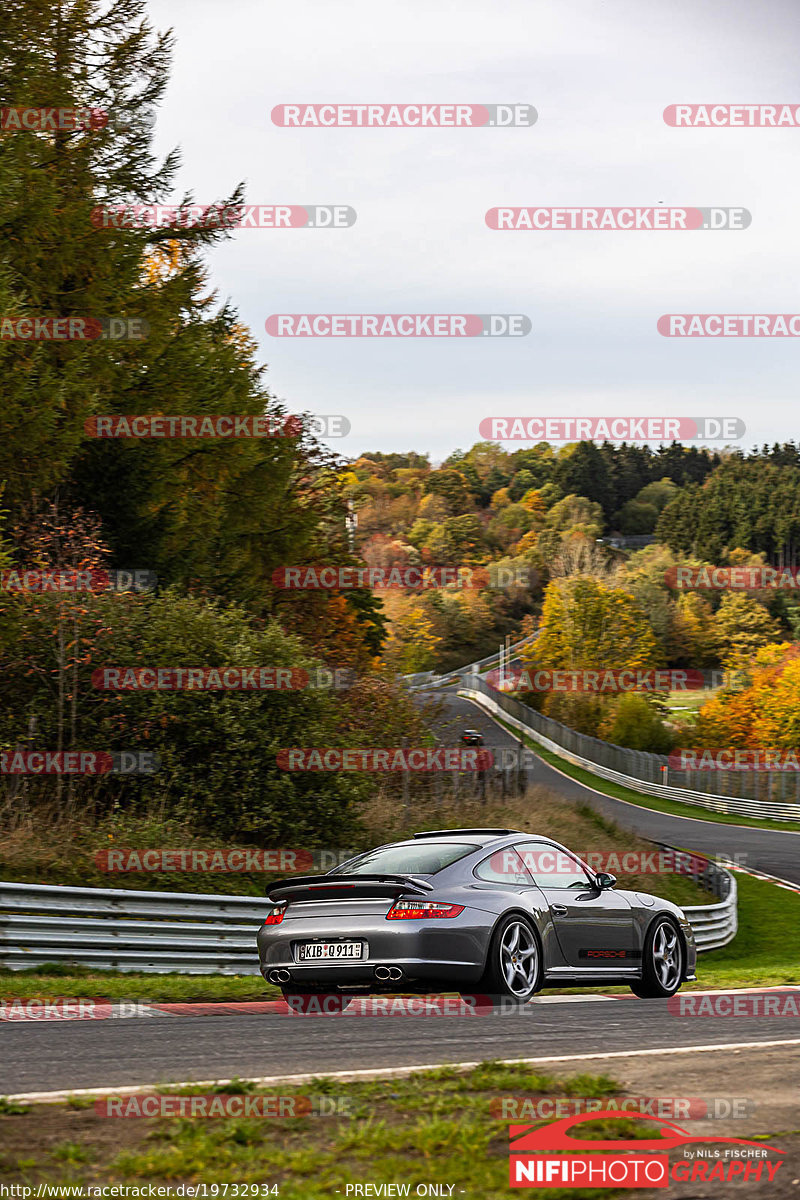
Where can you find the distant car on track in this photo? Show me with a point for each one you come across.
(472, 737)
(494, 911)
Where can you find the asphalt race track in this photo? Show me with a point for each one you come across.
(67, 1055)
(768, 850)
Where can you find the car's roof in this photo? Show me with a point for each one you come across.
(477, 837)
(471, 837)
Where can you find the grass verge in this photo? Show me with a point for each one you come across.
(435, 1126)
(764, 951)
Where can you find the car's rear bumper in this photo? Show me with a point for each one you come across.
(452, 950)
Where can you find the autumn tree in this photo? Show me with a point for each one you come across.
(763, 713)
(586, 624)
(53, 631)
(741, 627)
(412, 642)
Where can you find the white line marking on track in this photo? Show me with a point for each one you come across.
(390, 1072)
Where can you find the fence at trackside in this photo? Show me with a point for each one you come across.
(419, 678)
(157, 932)
(429, 679)
(732, 792)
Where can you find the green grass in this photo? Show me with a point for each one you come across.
(74, 981)
(690, 701)
(435, 1126)
(657, 804)
(764, 952)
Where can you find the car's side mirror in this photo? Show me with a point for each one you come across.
(605, 881)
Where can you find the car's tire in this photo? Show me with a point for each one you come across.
(662, 961)
(514, 962)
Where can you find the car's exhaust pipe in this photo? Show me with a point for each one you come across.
(384, 973)
(280, 976)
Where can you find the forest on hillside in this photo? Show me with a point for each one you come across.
(213, 519)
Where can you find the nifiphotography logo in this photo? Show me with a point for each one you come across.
(639, 1163)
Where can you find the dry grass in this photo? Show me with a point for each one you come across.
(538, 811)
(52, 845)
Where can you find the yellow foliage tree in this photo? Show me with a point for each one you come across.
(765, 713)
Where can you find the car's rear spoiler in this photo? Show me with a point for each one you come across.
(340, 887)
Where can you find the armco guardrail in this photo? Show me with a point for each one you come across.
(157, 932)
(641, 771)
(122, 930)
(716, 924)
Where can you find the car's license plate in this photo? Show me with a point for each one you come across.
(330, 950)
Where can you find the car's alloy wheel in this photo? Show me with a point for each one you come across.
(662, 963)
(514, 964)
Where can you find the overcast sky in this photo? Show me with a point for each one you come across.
(600, 75)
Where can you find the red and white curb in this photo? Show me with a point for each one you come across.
(786, 884)
(39, 1011)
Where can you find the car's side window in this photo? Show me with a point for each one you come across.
(503, 866)
(552, 867)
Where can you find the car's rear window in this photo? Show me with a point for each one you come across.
(406, 860)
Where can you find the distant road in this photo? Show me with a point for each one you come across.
(772, 851)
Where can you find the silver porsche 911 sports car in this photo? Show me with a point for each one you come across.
(488, 910)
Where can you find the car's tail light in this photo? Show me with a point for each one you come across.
(421, 910)
(276, 914)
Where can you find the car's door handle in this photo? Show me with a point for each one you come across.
(558, 910)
